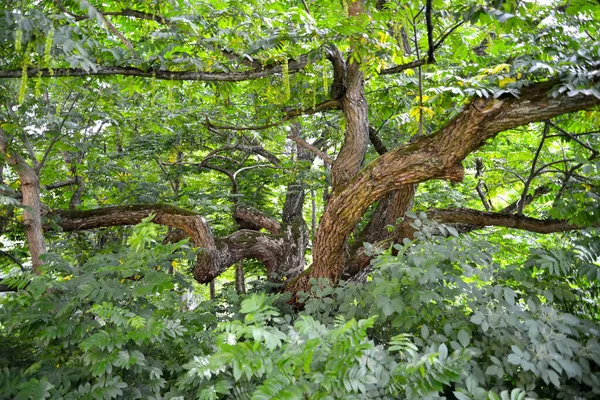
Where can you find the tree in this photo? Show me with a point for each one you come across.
(148, 94)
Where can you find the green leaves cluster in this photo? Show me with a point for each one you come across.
(116, 327)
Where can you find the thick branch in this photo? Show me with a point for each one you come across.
(514, 221)
(338, 85)
(216, 255)
(251, 218)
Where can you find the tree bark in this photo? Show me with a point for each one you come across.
(240, 280)
(356, 139)
(30, 199)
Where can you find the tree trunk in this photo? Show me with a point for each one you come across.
(240, 280)
(212, 289)
(434, 156)
(30, 192)
(30, 188)
(356, 139)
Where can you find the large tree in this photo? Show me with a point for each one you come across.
(110, 110)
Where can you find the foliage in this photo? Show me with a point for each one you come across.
(117, 326)
(441, 317)
(525, 324)
(495, 314)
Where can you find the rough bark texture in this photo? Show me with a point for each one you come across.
(250, 218)
(217, 254)
(240, 279)
(356, 139)
(483, 218)
(435, 156)
(390, 208)
(30, 188)
(30, 199)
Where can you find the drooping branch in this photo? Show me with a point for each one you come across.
(294, 65)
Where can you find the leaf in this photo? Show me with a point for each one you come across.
(464, 338)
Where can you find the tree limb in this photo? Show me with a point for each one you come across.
(257, 73)
(305, 145)
(251, 218)
(436, 156)
(514, 221)
(431, 48)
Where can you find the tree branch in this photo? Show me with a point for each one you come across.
(257, 73)
(431, 48)
(216, 255)
(532, 173)
(251, 218)
(61, 184)
(514, 221)
(307, 146)
(13, 259)
(376, 141)
(436, 156)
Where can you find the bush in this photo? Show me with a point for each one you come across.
(439, 319)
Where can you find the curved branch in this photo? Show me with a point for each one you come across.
(251, 218)
(436, 156)
(216, 255)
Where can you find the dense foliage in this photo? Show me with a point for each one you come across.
(442, 317)
(299, 199)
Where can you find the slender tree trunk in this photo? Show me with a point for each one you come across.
(30, 188)
(30, 191)
(313, 215)
(240, 280)
(212, 289)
